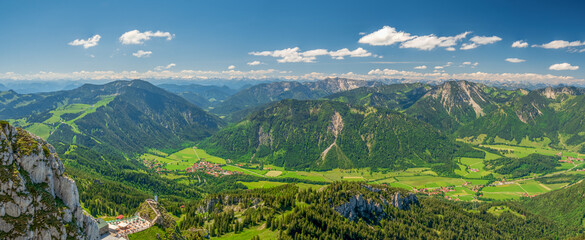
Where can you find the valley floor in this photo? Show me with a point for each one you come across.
(472, 182)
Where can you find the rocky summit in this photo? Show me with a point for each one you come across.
(37, 200)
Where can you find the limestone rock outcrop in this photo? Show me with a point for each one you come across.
(37, 200)
(372, 210)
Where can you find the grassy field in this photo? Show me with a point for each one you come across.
(269, 184)
(248, 233)
(471, 173)
(78, 111)
(462, 193)
(273, 173)
(181, 160)
(148, 234)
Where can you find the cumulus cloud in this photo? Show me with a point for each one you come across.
(374, 74)
(482, 40)
(430, 42)
(231, 67)
(562, 66)
(385, 36)
(142, 53)
(475, 76)
(160, 68)
(341, 53)
(388, 35)
(477, 41)
(290, 55)
(557, 44)
(137, 37)
(515, 60)
(519, 44)
(421, 67)
(254, 63)
(90, 42)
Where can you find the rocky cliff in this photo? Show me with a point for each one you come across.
(37, 200)
(373, 209)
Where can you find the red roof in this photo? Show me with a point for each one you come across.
(120, 216)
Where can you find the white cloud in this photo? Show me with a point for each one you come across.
(430, 42)
(477, 41)
(519, 44)
(557, 44)
(374, 74)
(467, 46)
(421, 67)
(160, 68)
(439, 67)
(563, 66)
(482, 40)
(254, 63)
(231, 67)
(475, 76)
(515, 60)
(358, 52)
(90, 42)
(137, 37)
(315, 52)
(142, 53)
(385, 36)
(466, 63)
(388, 35)
(289, 55)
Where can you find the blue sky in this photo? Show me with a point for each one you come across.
(275, 39)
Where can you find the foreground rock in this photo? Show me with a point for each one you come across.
(37, 201)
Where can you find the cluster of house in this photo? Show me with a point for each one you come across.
(213, 169)
(528, 195)
(476, 188)
(153, 164)
(450, 198)
(434, 191)
(571, 160)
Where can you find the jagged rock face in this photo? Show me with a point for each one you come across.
(37, 201)
(457, 94)
(334, 85)
(554, 93)
(371, 210)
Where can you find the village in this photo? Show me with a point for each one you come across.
(213, 169)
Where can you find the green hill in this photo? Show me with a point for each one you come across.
(329, 134)
(238, 105)
(394, 96)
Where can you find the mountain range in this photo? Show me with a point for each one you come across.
(101, 130)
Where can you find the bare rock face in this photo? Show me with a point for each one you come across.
(37, 201)
(372, 210)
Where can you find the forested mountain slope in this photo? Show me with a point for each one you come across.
(350, 210)
(394, 96)
(270, 92)
(322, 134)
(200, 95)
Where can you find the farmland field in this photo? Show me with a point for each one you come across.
(472, 173)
